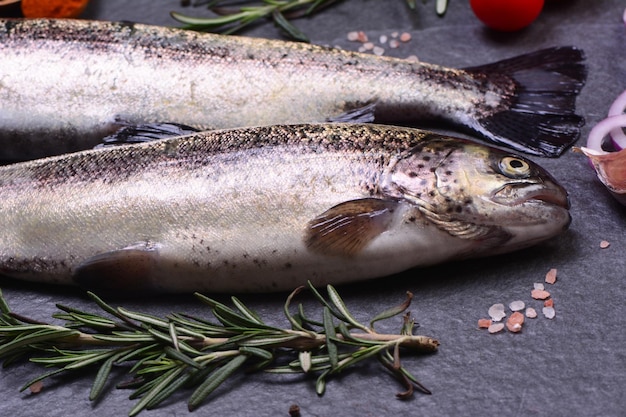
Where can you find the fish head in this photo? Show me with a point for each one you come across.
(498, 199)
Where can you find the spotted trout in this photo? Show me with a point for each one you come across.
(268, 208)
(64, 84)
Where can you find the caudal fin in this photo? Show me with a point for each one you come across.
(540, 118)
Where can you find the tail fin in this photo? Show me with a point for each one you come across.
(540, 118)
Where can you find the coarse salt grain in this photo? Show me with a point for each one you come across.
(361, 37)
(604, 244)
(515, 321)
(412, 58)
(517, 305)
(405, 37)
(496, 327)
(539, 286)
(353, 36)
(484, 323)
(531, 313)
(368, 46)
(395, 34)
(540, 294)
(549, 312)
(382, 39)
(548, 303)
(551, 276)
(496, 312)
(36, 387)
(378, 50)
(394, 43)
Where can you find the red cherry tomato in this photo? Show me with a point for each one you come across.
(507, 15)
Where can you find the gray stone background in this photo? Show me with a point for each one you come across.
(573, 365)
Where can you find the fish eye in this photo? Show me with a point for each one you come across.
(514, 167)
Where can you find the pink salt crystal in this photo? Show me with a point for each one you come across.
(517, 305)
(604, 244)
(361, 37)
(353, 36)
(405, 37)
(496, 312)
(548, 303)
(540, 294)
(515, 321)
(531, 313)
(551, 276)
(36, 387)
(484, 323)
(495, 328)
(538, 286)
(549, 312)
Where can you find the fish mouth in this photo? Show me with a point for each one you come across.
(551, 196)
(546, 192)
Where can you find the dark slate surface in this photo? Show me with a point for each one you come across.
(574, 365)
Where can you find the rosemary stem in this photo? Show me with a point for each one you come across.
(305, 341)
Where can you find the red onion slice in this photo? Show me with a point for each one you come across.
(616, 109)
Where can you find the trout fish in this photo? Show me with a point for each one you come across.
(64, 84)
(267, 208)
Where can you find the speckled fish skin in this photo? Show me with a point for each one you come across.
(64, 84)
(268, 208)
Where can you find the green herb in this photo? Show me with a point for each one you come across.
(233, 19)
(164, 355)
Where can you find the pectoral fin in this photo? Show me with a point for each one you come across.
(358, 114)
(347, 228)
(125, 271)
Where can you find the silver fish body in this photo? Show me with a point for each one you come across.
(268, 208)
(65, 84)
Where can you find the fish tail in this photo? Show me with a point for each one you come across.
(540, 117)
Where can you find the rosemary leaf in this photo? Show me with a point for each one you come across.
(102, 376)
(320, 383)
(263, 354)
(144, 318)
(292, 31)
(304, 360)
(325, 303)
(156, 390)
(249, 314)
(341, 306)
(181, 357)
(215, 380)
(139, 351)
(295, 324)
(270, 340)
(329, 330)
(393, 311)
(165, 393)
(41, 378)
(441, 6)
(124, 338)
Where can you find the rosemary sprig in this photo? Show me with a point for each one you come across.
(164, 355)
(230, 20)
